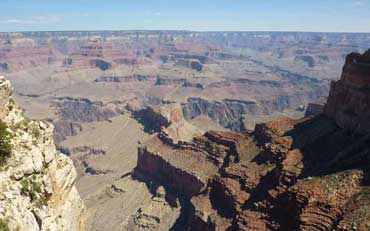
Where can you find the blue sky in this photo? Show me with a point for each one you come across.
(200, 15)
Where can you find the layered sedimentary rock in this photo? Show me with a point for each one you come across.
(72, 112)
(309, 174)
(190, 63)
(165, 81)
(157, 215)
(37, 182)
(348, 102)
(228, 113)
(167, 120)
(126, 79)
(44, 66)
(91, 54)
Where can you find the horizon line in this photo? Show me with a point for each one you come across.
(185, 31)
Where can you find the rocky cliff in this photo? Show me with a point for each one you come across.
(228, 113)
(72, 112)
(349, 97)
(37, 183)
(309, 174)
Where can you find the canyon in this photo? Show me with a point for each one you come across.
(306, 174)
(168, 130)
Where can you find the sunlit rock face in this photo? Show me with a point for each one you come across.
(37, 182)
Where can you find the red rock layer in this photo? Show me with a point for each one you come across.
(349, 98)
(308, 174)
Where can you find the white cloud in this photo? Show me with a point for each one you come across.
(358, 3)
(32, 21)
(152, 14)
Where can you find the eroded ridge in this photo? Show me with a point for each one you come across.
(307, 174)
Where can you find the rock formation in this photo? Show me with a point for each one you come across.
(127, 79)
(95, 69)
(316, 107)
(309, 174)
(72, 112)
(37, 183)
(228, 113)
(167, 120)
(154, 216)
(348, 102)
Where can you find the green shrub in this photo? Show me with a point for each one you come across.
(33, 189)
(25, 186)
(23, 124)
(35, 131)
(5, 143)
(3, 226)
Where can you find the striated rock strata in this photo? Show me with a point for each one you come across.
(168, 120)
(349, 97)
(71, 112)
(37, 183)
(228, 113)
(309, 174)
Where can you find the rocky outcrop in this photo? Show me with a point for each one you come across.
(126, 79)
(309, 174)
(190, 63)
(314, 109)
(151, 120)
(275, 179)
(101, 64)
(132, 61)
(63, 128)
(92, 48)
(167, 120)
(84, 110)
(199, 58)
(155, 215)
(84, 150)
(37, 182)
(268, 83)
(195, 85)
(349, 97)
(228, 113)
(166, 81)
(180, 179)
(71, 112)
(186, 167)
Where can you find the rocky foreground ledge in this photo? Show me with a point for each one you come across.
(37, 183)
(309, 174)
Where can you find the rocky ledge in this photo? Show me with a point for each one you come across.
(37, 183)
(309, 174)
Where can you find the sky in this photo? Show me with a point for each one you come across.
(196, 15)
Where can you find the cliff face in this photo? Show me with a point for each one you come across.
(228, 113)
(37, 182)
(71, 112)
(348, 102)
(309, 174)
